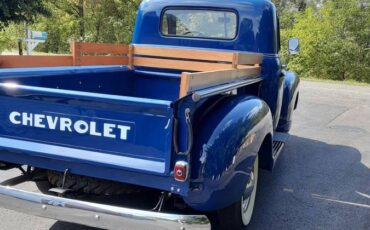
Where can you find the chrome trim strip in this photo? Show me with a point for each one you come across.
(204, 93)
(105, 158)
(94, 214)
(94, 96)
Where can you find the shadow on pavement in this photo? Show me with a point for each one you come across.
(63, 226)
(314, 185)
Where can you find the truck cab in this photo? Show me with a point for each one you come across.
(178, 131)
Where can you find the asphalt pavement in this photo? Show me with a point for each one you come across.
(322, 178)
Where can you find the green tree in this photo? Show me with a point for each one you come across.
(9, 36)
(61, 30)
(20, 11)
(108, 21)
(75, 9)
(334, 40)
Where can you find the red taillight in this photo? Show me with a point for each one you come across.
(181, 171)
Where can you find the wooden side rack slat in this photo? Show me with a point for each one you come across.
(10, 61)
(179, 64)
(191, 82)
(248, 59)
(189, 54)
(104, 60)
(103, 48)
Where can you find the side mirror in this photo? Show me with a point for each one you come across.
(294, 46)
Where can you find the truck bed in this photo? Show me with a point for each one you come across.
(111, 80)
(94, 121)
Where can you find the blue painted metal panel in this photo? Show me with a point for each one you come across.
(103, 158)
(162, 86)
(227, 139)
(144, 179)
(256, 29)
(112, 80)
(291, 88)
(56, 71)
(99, 126)
(269, 92)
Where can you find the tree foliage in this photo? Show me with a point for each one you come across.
(20, 11)
(109, 21)
(335, 39)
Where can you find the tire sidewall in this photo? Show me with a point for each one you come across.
(247, 217)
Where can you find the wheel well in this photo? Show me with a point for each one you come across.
(265, 153)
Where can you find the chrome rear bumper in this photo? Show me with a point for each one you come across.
(94, 214)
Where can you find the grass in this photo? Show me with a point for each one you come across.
(345, 82)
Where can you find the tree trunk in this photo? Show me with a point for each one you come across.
(302, 5)
(82, 19)
(98, 27)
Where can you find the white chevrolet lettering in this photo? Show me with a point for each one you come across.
(81, 127)
(27, 119)
(38, 121)
(65, 124)
(108, 129)
(93, 130)
(52, 122)
(124, 131)
(13, 118)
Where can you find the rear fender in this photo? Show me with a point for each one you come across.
(226, 141)
(290, 101)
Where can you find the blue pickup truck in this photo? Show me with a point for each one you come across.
(174, 139)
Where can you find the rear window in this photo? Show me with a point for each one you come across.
(199, 23)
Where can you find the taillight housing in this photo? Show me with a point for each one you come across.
(181, 171)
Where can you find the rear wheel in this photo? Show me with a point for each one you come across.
(41, 179)
(239, 215)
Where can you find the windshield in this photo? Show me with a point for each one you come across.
(196, 23)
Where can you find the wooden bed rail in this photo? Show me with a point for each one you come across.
(191, 59)
(82, 54)
(13, 61)
(191, 82)
(140, 56)
(203, 68)
(92, 54)
(209, 68)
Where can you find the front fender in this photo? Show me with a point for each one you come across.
(227, 140)
(290, 99)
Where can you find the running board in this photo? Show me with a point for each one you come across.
(279, 142)
(277, 147)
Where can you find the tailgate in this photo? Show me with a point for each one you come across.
(112, 131)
